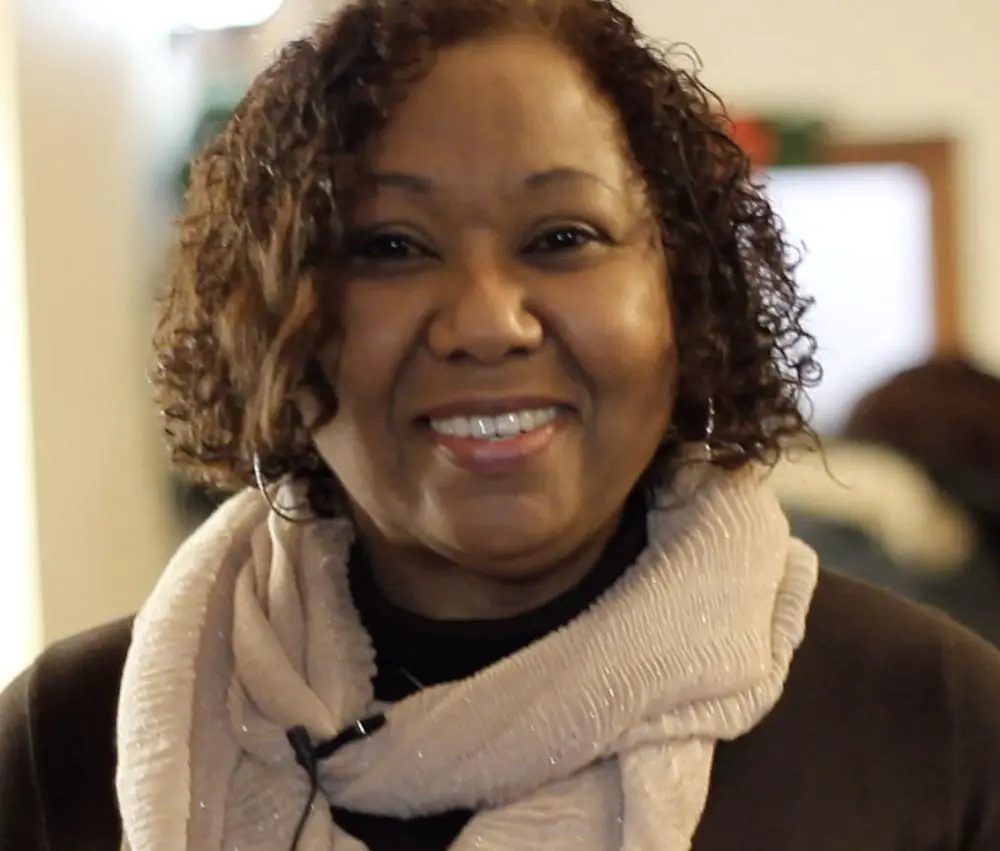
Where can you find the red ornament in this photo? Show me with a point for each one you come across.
(756, 139)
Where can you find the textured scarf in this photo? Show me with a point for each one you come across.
(599, 736)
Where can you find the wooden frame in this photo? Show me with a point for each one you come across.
(935, 158)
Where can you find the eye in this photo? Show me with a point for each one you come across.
(563, 239)
(387, 248)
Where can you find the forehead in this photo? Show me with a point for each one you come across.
(508, 104)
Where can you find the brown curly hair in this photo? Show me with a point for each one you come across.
(251, 295)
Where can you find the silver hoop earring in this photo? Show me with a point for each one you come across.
(709, 429)
(258, 475)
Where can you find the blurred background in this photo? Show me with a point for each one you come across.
(873, 124)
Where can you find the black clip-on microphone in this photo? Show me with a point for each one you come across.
(310, 755)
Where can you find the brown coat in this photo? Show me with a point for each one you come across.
(887, 739)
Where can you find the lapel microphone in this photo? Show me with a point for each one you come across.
(310, 754)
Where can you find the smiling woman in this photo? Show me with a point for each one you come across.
(492, 280)
(477, 302)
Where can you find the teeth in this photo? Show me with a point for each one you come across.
(508, 425)
(497, 426)
(483, 427)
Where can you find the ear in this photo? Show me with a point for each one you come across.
(308, 405)
(314, 397)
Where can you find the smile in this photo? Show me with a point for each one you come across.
(500, 438)
(495, 427)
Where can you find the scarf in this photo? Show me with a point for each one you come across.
(598, 737)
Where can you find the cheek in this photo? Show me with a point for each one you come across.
(358, 443)
(640, 329)
(380, 325)
(622, 336)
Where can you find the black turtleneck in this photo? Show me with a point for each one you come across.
(409, 647)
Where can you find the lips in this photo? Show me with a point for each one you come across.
(495, 426)
(495, 436)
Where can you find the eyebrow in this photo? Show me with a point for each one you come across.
(536, 180)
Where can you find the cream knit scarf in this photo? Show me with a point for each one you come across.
(599, 736)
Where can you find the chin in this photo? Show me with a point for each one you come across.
(510, 545)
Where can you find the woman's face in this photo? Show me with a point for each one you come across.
(508, 363)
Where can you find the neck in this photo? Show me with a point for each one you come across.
(435, 586)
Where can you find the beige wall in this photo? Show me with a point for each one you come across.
(103, 530)
(20, 606)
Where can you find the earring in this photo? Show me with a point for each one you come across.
(258, 475)
(708, 451)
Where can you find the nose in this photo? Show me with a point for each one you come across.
(484, 318)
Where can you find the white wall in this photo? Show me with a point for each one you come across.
(865, 229)
(880, 68)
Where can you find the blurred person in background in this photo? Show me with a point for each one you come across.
(913, 503)
(477, 302)
(944, 415)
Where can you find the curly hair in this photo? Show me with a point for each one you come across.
(249, 299)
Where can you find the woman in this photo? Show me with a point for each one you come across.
(473, 290)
